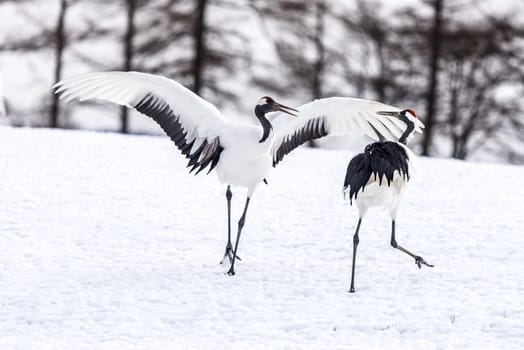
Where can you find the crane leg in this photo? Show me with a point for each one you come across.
(418, 259)
(241, 223)
(355, 244)
(229, 247)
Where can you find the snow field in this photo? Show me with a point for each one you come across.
(106, 242)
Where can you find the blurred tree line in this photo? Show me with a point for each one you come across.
(459, 66)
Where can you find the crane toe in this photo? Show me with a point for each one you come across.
(420, 261)
(228, 254)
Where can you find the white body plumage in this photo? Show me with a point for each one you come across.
(245, 161)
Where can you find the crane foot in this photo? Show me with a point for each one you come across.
(228, 254)
(420, 261)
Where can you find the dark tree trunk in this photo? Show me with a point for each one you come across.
(319, 64)
(432, 95)
(60, 42)
(453, 120)
(319, 47)
(380, 83)
(128, 58)
(200, 49)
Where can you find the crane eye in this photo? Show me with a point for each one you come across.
(264, 100)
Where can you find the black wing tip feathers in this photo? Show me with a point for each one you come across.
(313, 129)
(160, 111)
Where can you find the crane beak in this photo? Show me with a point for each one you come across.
(286, 109)
(393, 114)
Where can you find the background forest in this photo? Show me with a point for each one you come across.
(458, 63)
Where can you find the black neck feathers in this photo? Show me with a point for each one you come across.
(260, 112)
(410, 126)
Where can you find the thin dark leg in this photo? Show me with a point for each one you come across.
(229, 247)
(241, 223)
(355, 244)
(229, 195)
(418, 260)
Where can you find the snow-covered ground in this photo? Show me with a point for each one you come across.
(107, 243)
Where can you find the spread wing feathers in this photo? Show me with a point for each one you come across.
(194, 125)
(381, 161)
(335, 116)
(312, 129)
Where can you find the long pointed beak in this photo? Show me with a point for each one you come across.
(393, 114)
(286, 109)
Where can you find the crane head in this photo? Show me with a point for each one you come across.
(267, 104)
(409, 117)
(409, 114)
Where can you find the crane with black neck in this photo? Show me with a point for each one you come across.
(379, 177)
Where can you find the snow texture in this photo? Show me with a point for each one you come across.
(2, 103)
(108, 243)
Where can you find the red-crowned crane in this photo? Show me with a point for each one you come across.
(379, 177)
(241, 154)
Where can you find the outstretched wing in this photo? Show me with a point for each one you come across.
(336, 116)
(194, 125)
